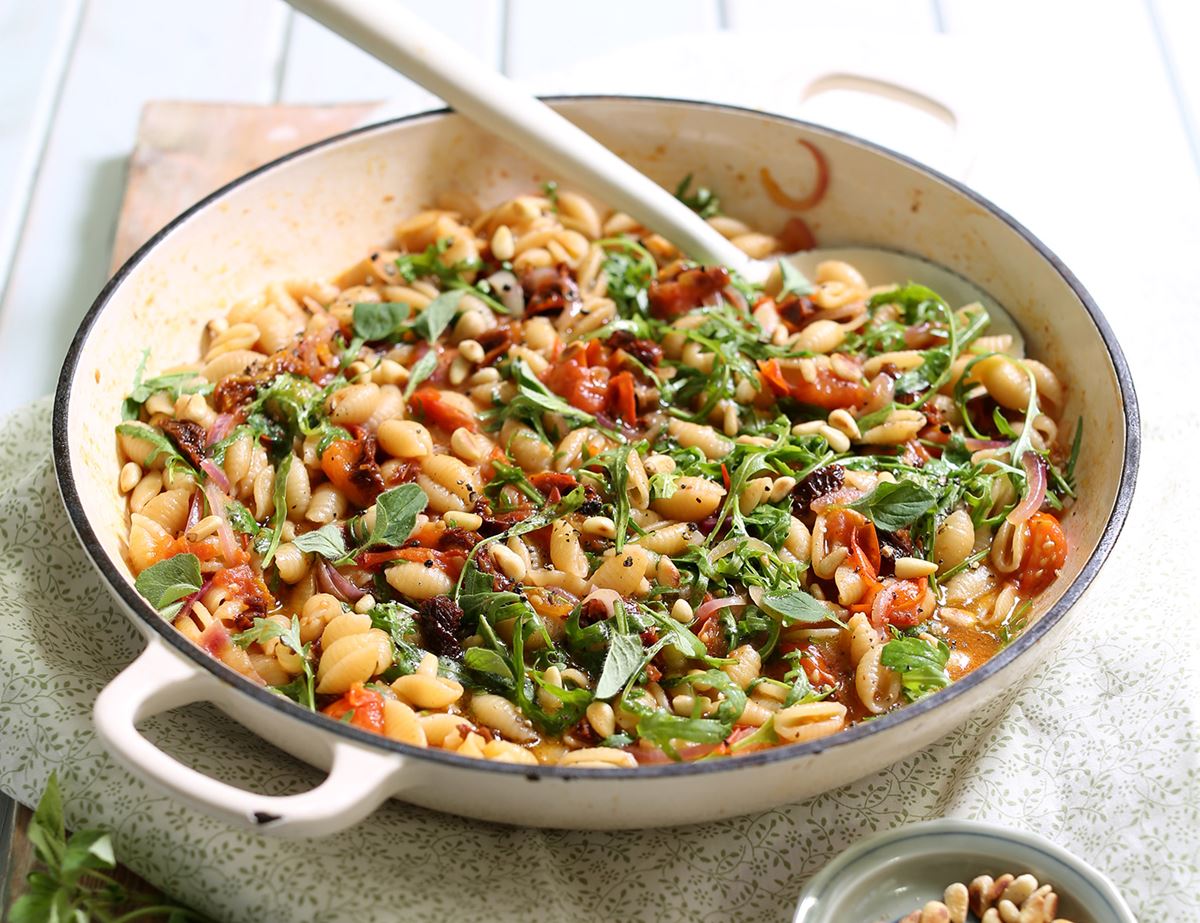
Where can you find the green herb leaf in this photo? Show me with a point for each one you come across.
(703, 202)
(893, 506)
(794, 281)
(167, 583)
(327, 541)
(925, 375)
(433, 321)
(161, 444)
(397, 621)
(263, 630)
(922, 666)
(424, 367)
(240, 518)
(279, 515)
(176, 384)
(47, 829)
(380, 320)
(87, 850)
(490, 663)
(396, 512)
(796, 605)
(623, 658)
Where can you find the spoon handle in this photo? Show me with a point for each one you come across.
(403, 41)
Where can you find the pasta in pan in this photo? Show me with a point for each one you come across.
(530, 487)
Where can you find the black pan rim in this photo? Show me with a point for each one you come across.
(134, 603)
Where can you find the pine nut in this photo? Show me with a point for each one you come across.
(682, 611)
(131, 473)
(911, 568)
(459, 370)
(602, 526)
(457, 520)
(364, 605)
(204, 528)
(602, 719)
(503, 246)
(508, 561)
(471, 350)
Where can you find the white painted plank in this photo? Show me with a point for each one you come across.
(35, 45)
(550, 35)
(128, 51)
(1112, 152)
(323, 67)
(892, 16)
(1100, 169)
(1178, 23)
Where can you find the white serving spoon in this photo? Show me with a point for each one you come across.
(392, 33)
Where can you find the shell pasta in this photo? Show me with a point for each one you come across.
(528, 486)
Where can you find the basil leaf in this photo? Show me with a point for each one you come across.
(240, 518)
(436, 317)
(796, 605)
(794, 281)
(487, 661)
(893, 506)
(167, 583)
(326, 541)
(425, 367)
(623, 658)
(379, 320)
(396, 512)
(922, 667)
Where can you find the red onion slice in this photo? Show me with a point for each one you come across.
(335, 584)
(193, 515)
(713, 605)
(191, 600)
(508, 290)
(215, 474)
(606, 597)
(216, 502)
(1035, 488)
(220, 428)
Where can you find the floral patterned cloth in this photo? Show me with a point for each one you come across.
(1098, 750)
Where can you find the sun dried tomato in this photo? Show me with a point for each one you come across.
(647, 352)
(439, 620)
(549, 289)
(188, 437)
(233, 391)
(818, 484)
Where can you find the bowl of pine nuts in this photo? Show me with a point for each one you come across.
(955, 871)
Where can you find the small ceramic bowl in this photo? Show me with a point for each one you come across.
(885, 877)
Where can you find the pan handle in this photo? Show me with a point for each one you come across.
(942, 102)
(159, 680)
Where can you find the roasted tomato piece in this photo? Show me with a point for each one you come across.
(1045, 553)
(621, 399)
(430, 405)
(351, 468)
(580, 386)
(826, 390)
(687, 291)
(361, 707)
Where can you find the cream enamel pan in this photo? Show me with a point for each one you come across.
(314, 211)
